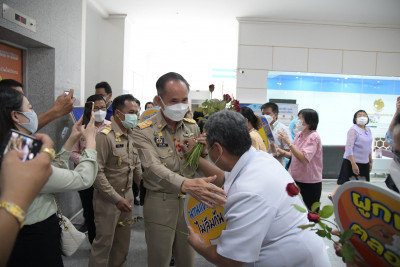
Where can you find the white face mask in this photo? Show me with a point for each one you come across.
(100, 115)
(208, 152)
(362, 120)
(269, 118)
(299, 125)
(175, 112)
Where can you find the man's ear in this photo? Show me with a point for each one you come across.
(158, 100)
(219, 147)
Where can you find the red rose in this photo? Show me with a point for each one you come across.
(313, 217)
(292, 189)
(211, 88)
(235, 105)
(227, 98)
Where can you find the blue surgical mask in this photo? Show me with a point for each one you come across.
(33, 123)
(130, 121)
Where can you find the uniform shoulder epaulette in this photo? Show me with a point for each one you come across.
(145, 124)
(106, 129)
(189, 120)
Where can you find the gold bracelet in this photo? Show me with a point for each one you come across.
(50, 151)
(15, 211)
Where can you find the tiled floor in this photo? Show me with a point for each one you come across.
(137, 251)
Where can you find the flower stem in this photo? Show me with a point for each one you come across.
(325, 220)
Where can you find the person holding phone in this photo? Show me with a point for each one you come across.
(63, 105)
(86, 195)
(20, 183)
(38, 242)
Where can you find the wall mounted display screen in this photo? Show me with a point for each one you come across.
(336, 98)
(10, 63)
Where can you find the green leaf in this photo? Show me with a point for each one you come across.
(326, 211)
(199, 109)
(348, 253)
(346, 236)
(328, 235)
(315, 206)
(321, 233)
(323, 226)
(306, 226)
(328, 229)
(300, 208)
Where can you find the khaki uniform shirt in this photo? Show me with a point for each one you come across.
(118, 162)
(161, 159)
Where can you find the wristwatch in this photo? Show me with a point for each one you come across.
(14, 210)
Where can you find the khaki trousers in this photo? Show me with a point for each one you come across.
(111, 244)
(162, 240)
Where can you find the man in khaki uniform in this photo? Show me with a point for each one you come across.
(119, 164)
(158, 140)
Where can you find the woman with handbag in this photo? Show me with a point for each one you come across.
(357, 158)
(38, 242)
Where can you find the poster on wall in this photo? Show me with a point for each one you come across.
(336, 98)
(287, 112)
(10, 63)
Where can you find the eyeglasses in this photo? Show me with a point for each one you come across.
(97, 109)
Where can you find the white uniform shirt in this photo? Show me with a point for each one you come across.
(277, 126)
(261, 222)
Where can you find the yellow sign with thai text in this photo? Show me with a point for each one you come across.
(373, 214)
(147, 114)
(206, 222)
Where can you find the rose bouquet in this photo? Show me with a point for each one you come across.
(208, 107)
(321, 225)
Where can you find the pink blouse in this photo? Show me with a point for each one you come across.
(310, 145)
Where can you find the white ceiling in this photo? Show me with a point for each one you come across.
(377, 12)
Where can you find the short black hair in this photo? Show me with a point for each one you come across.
(310, 117)
(148, 103)
(11, 83)
(162, 81)
(251, 117)
(355, 116)
(137, 102)
(119, 102)
(104, 85)
(273, 106)
(94, 98)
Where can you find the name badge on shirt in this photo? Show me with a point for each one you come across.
(160, 142)
(119, 145)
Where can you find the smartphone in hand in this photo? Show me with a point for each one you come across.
(29, 145)
(87, 112)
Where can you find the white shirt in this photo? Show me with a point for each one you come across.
(261, 222)
(277, 126)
